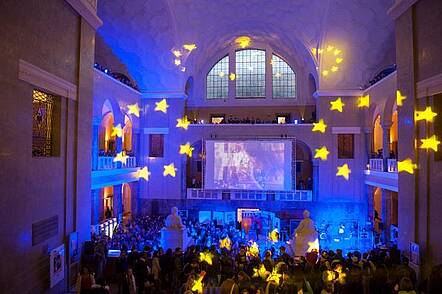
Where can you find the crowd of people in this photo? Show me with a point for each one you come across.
(211, 266)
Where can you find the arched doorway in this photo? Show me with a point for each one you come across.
(377, 137)
(127, 135)
(126, 195)
(303, 166)
(106, 140)
(194, 166)
(108, 202)
(393, 135)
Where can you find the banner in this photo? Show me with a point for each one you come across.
(56, 266)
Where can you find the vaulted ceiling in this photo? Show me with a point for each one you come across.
(141, 33)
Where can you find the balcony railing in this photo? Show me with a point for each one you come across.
(377, 164)
(257, 195)
(107, 162)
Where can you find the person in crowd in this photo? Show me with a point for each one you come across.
(129, 284)
(85, 282)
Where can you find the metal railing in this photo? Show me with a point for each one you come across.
(377, 164)
(257, 195)
(107, 162)
(392, 165)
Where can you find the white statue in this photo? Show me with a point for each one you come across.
(306, 237)
(173, 220)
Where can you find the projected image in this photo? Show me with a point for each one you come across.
(249, 165)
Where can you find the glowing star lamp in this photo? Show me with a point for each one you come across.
(260, 272)
(343, 171)
(225, 243)
(183, 123)
(430, 143)
(206, 256)
(161, 106)
(198, 283)
(399, 98)
(320, 126)
(274, 235)
(117, 131)
(133, 109)
(337, 105)
(121, 157)
(253, 250)
(232, 76)
(406, 165)
(243, 41)
(427, 115)
(189, 47)
(321, 153)
(143, 173)
(169, 170)
(186, 149)
(274, 276)
(364, 101)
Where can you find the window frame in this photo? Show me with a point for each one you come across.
(236, 73)
(345, 156)
(294, 73)
(227, 77)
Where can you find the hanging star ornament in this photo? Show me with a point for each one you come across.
(427, 115)
(321, 153)
(133, 109)
(320, 126)
(337, 104)
(364, 101)
(121, 157)
(117, 131)
(169, 170)
(183, 123)
(343, 171)
(399, 98)
(430, 143)
(406, 165)
(143, 173)
(161, 106)
(186, 149)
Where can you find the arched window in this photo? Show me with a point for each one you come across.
(283, 79)
(250, 73)
(217, 83)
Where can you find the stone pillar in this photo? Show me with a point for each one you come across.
(95, 208)
(386, 126)
(368, 141)
(118, 200)
(386, 214)
(95, 144)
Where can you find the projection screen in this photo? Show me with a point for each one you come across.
(248, 165)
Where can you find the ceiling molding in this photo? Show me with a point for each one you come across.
(430, 86)
(87, 10)
(45, 80)
(163, 94)
(399, 7)
(336, 93)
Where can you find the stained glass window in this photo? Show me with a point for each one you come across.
(43, 106)
(217, 83)
(250, 73)
(283, 79)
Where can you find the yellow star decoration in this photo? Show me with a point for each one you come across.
(197, 285)
(321, 153)
(169, 170)
(334, 68)
(260, 272)
(427, 115)
(339, 60)
(133, 109)
(274, 276)
(225, 243)
(186, 149)
(117, 131)
(232, 76)
(189, 47)
(343, 171)
(161, 106)
(364, 101)
(121, 157)
(319, 126)
(406, 165)
(430, 143)
(243, 41)
(177, 53)
(206, 256)
(177, 62)
(274, 235)
(253, 250)
(399, 98)
(143, 173)
(337, 104)
(183, 123)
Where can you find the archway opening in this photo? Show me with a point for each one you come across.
(106, 140)
(377, 137)
(394, 135)
(126, 200)
(127, 135)
(303, 167)
(194, 166)
(108, 202)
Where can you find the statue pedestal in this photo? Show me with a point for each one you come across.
(173, 238)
